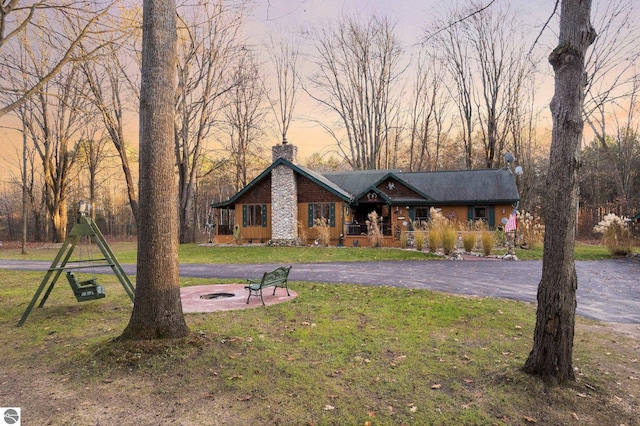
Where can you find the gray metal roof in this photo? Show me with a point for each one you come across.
(489, 185)
(447, 187)
(358, 182)
(461, 186)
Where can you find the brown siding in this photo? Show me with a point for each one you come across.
(456, 214)
(256, 234)
(503, 210)
(399, 190)
(311, 192)
(259, 194)
(303, 221)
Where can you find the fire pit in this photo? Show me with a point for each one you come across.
(223, 297)
(216, 295)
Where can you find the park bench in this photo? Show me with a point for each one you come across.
(276, 278)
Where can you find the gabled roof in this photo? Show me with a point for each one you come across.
(308, 173)
(447, 187)
(358, 182)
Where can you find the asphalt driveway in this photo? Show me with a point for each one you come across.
(608, 290)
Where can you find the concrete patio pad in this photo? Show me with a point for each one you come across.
(192, 302)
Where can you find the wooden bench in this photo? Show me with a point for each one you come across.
(85, 290)
(276, 278)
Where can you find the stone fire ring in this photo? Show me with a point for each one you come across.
(193, 303)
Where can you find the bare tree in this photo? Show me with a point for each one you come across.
(527, 144)
(626, 155)
(92, 154)
(107, 79)
(454, 51)
(157, 310)
(284, 56)
(430, 117)
(244, 113)
(609, 173)
(611, 93)
(208, 40)
(24, 180)
(60, 25)
(610, 65)
(358, 68)
(551, 355)
(484, 53)
(32, 186)
(501, 63)
(55, 121)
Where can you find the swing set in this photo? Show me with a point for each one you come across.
(83, 290)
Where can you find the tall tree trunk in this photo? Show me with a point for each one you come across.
(59, 219)
(25, 192)
(187, 225)
(551, 356)
(157, 311)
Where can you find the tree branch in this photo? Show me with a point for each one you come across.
(464, 18)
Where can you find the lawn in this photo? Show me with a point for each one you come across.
(194, 253)
(334, 355)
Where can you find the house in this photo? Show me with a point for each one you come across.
(285, 200)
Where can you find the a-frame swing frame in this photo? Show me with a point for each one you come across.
(85, 227)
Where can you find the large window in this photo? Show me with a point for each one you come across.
(254, 215)
(322, 211)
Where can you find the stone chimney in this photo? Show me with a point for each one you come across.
(286, 151)
(284, 197)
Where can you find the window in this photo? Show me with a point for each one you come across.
(322, 211)
(254, 215)
(422, 214)
(480, 213)
(484, 213)
(226, 221)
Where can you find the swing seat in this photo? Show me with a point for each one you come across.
(85, 290)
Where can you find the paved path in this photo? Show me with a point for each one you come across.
(608, 290)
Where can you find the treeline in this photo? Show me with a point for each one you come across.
(460, 95)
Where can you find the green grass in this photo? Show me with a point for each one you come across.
(336, 354)
(192, 253)
(582, 252)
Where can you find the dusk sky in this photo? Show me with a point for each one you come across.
(411, 17)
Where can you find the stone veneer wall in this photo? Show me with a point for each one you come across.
(284, 197)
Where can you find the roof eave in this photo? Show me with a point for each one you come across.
(281, 161)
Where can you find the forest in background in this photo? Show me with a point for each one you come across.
(463, 95)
